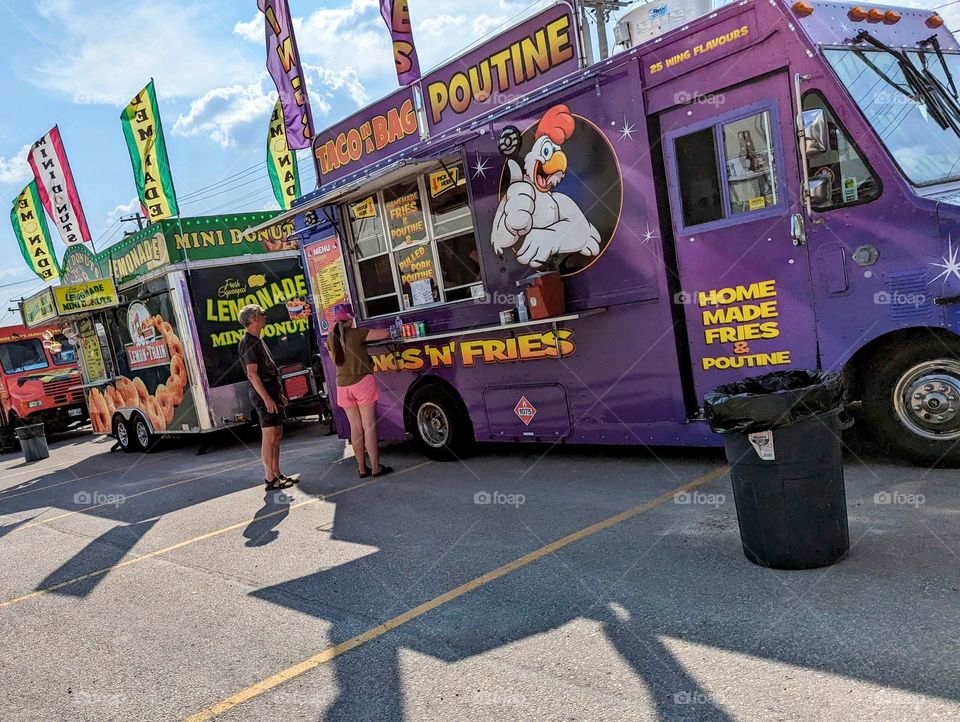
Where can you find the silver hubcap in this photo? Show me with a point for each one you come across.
(122, 436)
(927, 400)
(143, 434)
(433, 425)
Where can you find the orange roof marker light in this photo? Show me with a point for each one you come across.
(934, 21)
(874, 16)
(802, 9)
(857, 14)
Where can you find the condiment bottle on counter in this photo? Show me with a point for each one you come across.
(522, 314)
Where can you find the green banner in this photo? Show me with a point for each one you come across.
(281, 161)
(30, 228)
(148, 154)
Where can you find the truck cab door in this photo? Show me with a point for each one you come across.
(734, 189)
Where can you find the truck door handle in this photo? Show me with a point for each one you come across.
(797, 230)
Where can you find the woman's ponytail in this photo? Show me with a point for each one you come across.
(336, 345)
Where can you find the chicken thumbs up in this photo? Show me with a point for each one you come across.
(519, 202)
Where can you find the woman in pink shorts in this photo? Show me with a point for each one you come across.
(356, 388)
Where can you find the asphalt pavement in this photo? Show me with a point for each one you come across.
(524, 583)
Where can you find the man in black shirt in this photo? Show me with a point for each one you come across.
(265, 394)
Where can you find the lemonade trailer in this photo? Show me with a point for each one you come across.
(159, 338)
(772, 185)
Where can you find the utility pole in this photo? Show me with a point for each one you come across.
(601, 13)
(135, 217)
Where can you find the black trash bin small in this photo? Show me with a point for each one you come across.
(782, 437)
(33, 442)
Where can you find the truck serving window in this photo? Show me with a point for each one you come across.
(19, 356)
(414, 243)
(67, 353)
(849, 179)
(741, 153)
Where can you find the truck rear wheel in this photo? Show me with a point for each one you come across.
(441, 427)
(911, 400)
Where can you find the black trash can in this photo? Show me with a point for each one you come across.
(782, 437)
(33, 442)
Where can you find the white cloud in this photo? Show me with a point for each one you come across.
(123, 209)
(109, 51)
(16, 169)
(217, 112)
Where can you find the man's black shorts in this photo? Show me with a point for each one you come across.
(267, 420)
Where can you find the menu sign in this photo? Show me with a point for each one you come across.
(404, 217)
(328, 278)
(81, 297)
(38, 309)
(90, 352)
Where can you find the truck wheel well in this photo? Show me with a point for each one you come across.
(431, 380)
(854, 371)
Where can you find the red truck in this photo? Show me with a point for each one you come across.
(39, 381)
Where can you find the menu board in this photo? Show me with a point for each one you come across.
(38, 309)
(418, 277)
(405, 220)
(90, 351)
(328, 278)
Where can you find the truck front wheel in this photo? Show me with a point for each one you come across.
(911, 401)
(440, 423)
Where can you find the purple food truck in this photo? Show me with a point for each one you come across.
(591, 248)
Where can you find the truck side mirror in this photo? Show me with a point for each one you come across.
(820, 192)
(815, 135)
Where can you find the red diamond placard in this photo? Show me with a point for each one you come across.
(525, 410)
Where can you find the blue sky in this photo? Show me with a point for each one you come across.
(76, 63)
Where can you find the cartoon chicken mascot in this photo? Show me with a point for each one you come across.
(547, 222)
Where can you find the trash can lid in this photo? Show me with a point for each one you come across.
(30, 431)
(772, 401)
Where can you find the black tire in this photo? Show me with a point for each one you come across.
(440, 424)
(123, 435)
(911, 400)
(140, 437)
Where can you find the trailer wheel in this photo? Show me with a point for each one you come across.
(911, 401)
(441, 427)
(140, 437)
(121, 430)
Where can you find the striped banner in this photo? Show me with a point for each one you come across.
(58, 192)
(30, 228)
(148, 154)
(281, 161)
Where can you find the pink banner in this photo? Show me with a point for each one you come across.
(283, 62)
(58, 192)
(396, 14)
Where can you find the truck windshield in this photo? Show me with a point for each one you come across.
(19, 356)
(926, 152)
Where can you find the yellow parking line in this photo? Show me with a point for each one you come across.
(335, 651)
(202, 537)
(33, 490)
